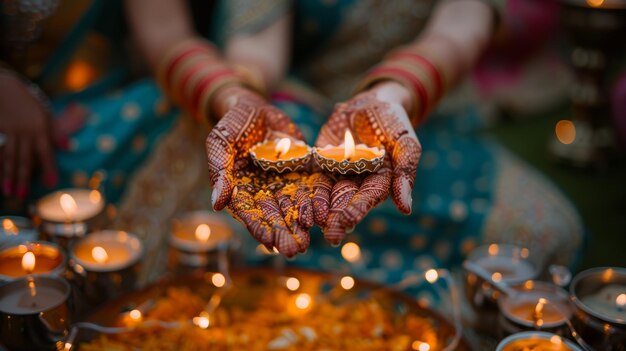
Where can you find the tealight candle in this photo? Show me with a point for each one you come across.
(281, 155)
(107, 251)
(348, 157)
(106, 264)
(64, 214)
(508, 264)
(16, 230)
(535, 305)
(34, 313)
(37, 258)
(599, 298)
(196, 238)
(536, 341)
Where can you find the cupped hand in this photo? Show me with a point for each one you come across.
(276, 208)
(375, 118)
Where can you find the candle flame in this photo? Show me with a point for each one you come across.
(351, 252)
(303, 301)
(347, 282)
(10, 227)
(28, 262)
(203, 232)
(538, 315)
(282, 147)
(621, 300)
(99, 254)
(68, 205)
(349, 148)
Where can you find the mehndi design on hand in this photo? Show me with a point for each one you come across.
(374, 123)
(276, 209)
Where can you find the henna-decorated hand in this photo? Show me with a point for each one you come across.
(375, 118)
(275, 208)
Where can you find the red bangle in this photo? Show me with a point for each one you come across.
(404, 76)
(186, 76)
(204, 83)
(180, 57)
(429, 66)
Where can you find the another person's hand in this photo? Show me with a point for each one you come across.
(375, 118)
(28, 138)
(276, 208)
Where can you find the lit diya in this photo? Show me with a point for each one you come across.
(35, 313)
(196, 238)
(535, 305)
(599, 298)
(106, 263)
(536, 341)
(349, 158)
(38, 258)
(65, 214)
(281, 155)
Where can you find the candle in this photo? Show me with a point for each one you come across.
(34, 313)
(105, 265)
(281, 155)
(107, 251)
(507, 264)
(199, 232)
(610, 301)
(15, 230)
(536, 341)
(348, 158)
(200, 240)
(535, 305)
(598, 295)
(70, 205)
(38, 258)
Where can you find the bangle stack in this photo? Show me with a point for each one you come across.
(191, 73)
(409, 67)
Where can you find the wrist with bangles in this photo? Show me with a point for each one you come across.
(191, 73)
(410, 67)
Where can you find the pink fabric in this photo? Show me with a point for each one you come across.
(527, 25)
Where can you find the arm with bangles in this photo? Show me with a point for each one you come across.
(394, 97)
(229, 92)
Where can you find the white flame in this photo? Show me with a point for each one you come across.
(203, 232)
(28, 262)
(349, 149)
(99, 254)
(282, 147)
(621, 300)
(68, 205)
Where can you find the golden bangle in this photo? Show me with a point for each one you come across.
(204, 108)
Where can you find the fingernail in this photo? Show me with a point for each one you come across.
(7, 188)
(350, 230)
(335, 244)
(50, 180)
(21, 192)
(405, 195)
